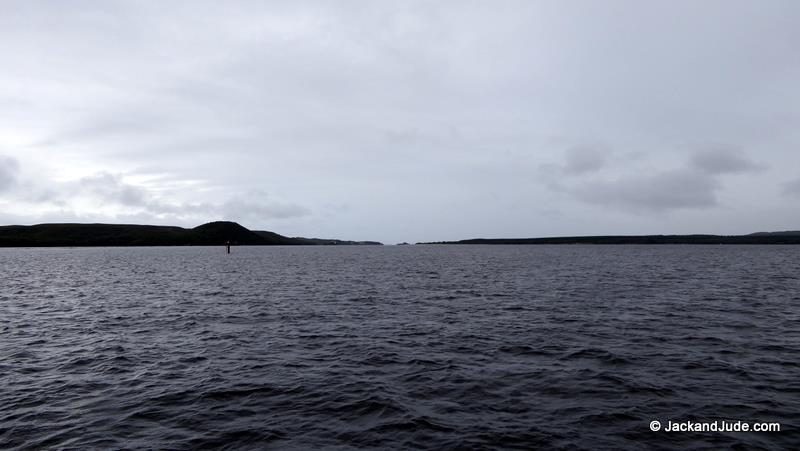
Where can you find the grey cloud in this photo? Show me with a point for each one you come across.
(792, 188)
(237, 209)
(723, 160)
(47, 195)
(695, 185)
(662, 191)
(107, 188)
(201, 209)
(582, 160)
(233, 210)
(577, 161)
(9, 170)
(111, 188)
(121, 123)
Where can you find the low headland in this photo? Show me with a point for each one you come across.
(210, 234)
(788, 237)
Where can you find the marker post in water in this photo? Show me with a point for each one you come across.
(228, 247)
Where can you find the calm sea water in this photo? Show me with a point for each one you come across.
(415, 347)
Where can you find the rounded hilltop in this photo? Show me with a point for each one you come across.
(218, 232)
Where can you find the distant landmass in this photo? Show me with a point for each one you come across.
(213, 233)
(787, 237)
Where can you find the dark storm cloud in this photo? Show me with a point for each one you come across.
(9, 169)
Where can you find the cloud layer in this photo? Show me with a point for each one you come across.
(8, 172)
(403, 121)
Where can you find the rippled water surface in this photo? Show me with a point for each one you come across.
(432, 347)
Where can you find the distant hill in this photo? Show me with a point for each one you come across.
(755, 238)
(330, 242)
(210, 234)
(785, 233)
(313, 241)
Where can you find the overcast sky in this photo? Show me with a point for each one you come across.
(403, 121)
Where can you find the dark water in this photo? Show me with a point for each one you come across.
(460, 347)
